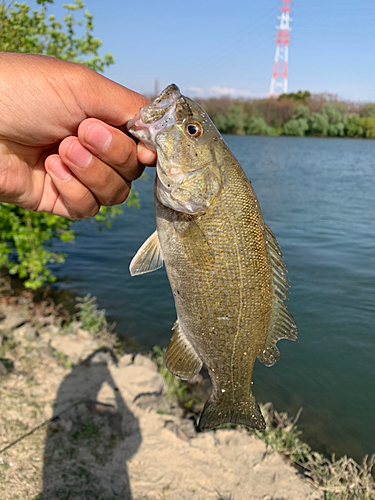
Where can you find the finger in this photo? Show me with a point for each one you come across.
(64, 194)
(112, 146)
(145, 155)
(108, 101)
(105, 182)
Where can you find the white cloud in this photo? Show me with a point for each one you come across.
(231, 92)
(194, 90)
(218, 91)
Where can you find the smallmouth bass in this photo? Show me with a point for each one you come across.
(223, 263)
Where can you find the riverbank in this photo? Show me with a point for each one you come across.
(82, 418)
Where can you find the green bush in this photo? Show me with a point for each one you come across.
(368, 125)
(369, 110)
(297, 126)
(353, 126)
(301, 111)
(232, 122)
(25, 237)
(318, 124)
(255, 125)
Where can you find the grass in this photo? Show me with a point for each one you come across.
(342, 479)
(64, 359)
(7, 346)
(176, 387)
(92, 318)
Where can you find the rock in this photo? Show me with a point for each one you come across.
(3, 370)
(2, 316)
(26, 331)
(48, 330)
(84, 334)
(153, 401)
(133, 380)
(125, 360)
(187, 425)
(176, 429)
(71, 348)
(47, 320)
(141, 360)
(74, 326)
(103, 357)
(14, 320)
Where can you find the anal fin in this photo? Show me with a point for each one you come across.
(181, 358)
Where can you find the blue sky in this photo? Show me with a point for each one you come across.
(226, 47)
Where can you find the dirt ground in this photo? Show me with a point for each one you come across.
(97, 427)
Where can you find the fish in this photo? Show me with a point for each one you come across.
(224, 265)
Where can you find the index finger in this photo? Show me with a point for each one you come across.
(112, 147)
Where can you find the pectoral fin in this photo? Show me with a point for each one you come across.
(181, 358)
(148, 258)
(282, 325)
(194, 243)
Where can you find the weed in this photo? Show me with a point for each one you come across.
(176, 386)
(92, 319)
(86, 430)
(7, 346)
(342, 479)
(64, 359)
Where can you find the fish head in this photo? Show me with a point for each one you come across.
(189, 166)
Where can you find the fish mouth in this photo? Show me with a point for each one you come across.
(156, 117)
(168, 109)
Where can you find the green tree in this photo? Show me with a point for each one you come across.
(368, 125)
(353, 126)
(232, 122)
(335, 113)
(26, 237)
(302, 96)
(369, 110)
(255, 125)
(297, 126)
(318, 124)
(301, 111)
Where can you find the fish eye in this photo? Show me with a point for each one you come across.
(194, 129)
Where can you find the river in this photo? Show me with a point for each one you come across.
(318, 197)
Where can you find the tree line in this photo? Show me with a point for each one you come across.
(298, 114)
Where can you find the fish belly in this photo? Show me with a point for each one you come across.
(222, 298)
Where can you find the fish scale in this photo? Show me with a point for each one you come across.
(223, 263)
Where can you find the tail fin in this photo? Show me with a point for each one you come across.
(215, 414)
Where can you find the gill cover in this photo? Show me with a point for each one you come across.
(188, 171)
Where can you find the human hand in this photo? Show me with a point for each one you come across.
(60, 150)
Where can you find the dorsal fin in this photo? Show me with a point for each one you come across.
(282, 325)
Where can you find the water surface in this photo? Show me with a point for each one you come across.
(318, 197)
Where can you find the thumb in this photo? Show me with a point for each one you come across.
(106, 100)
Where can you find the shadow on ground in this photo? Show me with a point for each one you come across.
(92, 436)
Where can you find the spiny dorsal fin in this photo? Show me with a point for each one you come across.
(181, 358)
(148, 258)
(282, 325)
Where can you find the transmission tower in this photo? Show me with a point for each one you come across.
(279, 82)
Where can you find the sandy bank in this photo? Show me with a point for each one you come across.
(111, 433)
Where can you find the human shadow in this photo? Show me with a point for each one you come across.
(91, 437)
